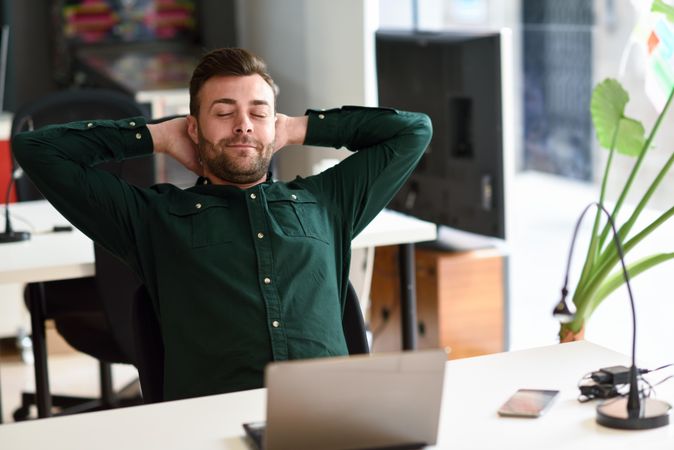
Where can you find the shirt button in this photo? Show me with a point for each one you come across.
(260, 235)
(90, 124)
(267, 281)
(253, 196)
(275, 324)
(321, 116)
(198, 205)
(293, 196)
(133, 124)
(138, 135)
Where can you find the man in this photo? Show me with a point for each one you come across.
(242, 270)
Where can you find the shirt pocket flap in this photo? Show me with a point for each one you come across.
(190, 207)
(290, 195)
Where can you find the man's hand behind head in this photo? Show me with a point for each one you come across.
(289, 130)
(171, 137)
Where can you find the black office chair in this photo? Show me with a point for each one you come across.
(353, 324)
(150, 347)
(92, 314)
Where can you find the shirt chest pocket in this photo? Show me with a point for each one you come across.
(206, 223)
(298, 214)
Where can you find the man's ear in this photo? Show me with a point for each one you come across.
(193, 129)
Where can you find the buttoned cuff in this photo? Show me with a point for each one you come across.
(323, 127)
(136, 137)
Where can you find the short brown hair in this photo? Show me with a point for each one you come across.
(226, 62)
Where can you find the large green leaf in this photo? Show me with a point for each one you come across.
(608, 115)
(631, 138)
(659, 6)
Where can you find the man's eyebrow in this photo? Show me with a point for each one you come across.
(231, 101)
(227, 101)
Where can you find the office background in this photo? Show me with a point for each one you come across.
(321, 54)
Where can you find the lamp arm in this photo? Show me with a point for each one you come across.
(633, 404)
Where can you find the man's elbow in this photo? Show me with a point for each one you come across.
(424, 128)
(23, 147)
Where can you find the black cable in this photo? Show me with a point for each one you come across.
(8, 223)
(658, 368)
(663, 380)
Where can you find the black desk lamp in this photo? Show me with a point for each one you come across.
(633, 412)
(9, 234)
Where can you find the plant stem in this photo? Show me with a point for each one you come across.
(593, 249)
(635, 169)
(627, 226)
(588, 291)
(617, 279)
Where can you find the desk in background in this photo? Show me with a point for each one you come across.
(474, 389)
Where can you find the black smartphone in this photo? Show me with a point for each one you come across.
(528, 403)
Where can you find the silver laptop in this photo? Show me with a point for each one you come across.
(388, 400)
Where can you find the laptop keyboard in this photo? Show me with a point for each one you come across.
(255, 432)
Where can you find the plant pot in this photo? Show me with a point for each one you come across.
(566, 335)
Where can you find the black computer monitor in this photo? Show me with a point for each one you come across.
(455, 78)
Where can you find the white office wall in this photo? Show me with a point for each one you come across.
(320, 53)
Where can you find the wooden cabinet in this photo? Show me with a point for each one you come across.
(461, 301)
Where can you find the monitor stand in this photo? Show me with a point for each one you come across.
(453, 240)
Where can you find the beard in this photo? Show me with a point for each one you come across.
(230, 165)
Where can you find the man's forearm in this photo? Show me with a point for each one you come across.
(158, 136)
(297, 130)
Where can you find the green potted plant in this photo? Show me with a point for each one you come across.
(602, 273)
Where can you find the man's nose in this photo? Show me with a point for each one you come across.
(244, 125)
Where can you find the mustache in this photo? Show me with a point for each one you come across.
(241, 140)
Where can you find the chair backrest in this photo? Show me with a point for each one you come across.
(116, 286)
(353, 324)
(81, 104)
(149, 347)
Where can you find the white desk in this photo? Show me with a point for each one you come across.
(474, 389)
(58, 256)
(47, 255)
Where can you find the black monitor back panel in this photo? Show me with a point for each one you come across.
(455, 78)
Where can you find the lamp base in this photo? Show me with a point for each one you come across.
(14, 236)
(654, 414)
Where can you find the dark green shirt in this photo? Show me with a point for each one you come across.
(238, 277)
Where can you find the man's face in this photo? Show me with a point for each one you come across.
(235, 128)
